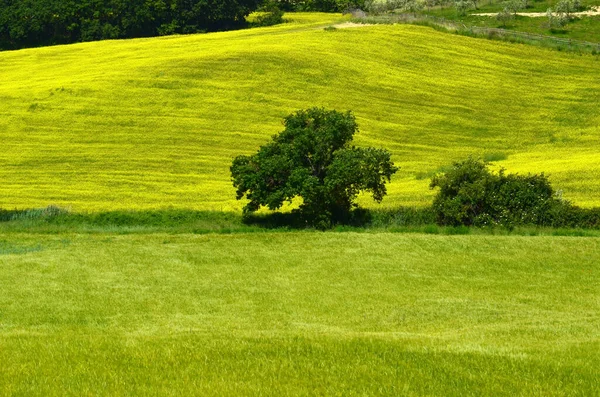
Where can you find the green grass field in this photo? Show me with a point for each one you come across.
(586, 28)
(338, 314)
(155, 123)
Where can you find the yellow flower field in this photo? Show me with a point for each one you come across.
(155, 123)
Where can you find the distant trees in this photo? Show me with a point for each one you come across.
(320, 5)
(429, 4)
(561, 15)
(567, 7)
(29, 23)
(462, 6)
(514, 6)
(380, 7)
(555, 19)
(504, 16)
(313, 159)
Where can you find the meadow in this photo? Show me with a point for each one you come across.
(338, 314)
(154, 123)
(586, 28)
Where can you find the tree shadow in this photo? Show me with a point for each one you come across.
(358, 217)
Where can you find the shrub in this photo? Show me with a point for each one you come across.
(470, 194)
(563, 214)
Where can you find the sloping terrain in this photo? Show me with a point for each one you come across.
(155, 123)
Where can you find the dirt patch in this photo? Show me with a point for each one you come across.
(593, 12)
(347, 25)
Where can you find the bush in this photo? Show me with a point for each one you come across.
(563, 214)
(470, 194)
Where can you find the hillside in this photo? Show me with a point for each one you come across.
(154, 123)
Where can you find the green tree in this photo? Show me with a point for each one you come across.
(556, 20)
(30, 23)
(504, 16)
(514, 6)
(412, 6)
(567, 7)
(461, 7)
(313, 159)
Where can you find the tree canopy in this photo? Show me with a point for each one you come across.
(30, 23)
(313, 159)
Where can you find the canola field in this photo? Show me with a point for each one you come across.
(154, 123)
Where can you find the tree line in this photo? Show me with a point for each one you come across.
(32, 23)
(319, 5)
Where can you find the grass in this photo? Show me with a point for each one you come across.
(421, 220)
(338, 314)
(152, 285)
(586, 28)
(154, 123)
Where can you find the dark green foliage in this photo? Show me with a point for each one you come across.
(472, 195)
(30, 23)
(563, 214)
(312, 159)
(271, 15)
(402, 216)
(321, 5)
(564, 220)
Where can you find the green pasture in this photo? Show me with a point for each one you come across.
(586, 28)
(154, 123)
(300, 313)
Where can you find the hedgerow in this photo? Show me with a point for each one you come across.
(472, 195)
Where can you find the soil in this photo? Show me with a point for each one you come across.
(346, 25)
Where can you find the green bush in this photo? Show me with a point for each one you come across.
(470, 194)
(563, 214)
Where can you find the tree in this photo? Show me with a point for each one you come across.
(313, 159)
(504, 16)
(567, 7)
(412, 6)
(557, 20)
(461, 7)
(29, 23)
(271, 14)
(431, 3)
(514, 6)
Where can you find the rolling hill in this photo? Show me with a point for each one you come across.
(155, 123)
